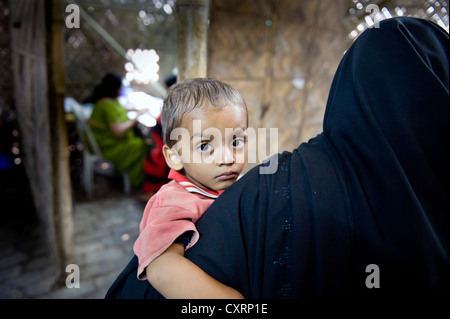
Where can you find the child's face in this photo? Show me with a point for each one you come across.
(218, 150)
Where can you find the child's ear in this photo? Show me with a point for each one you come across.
(173, 160)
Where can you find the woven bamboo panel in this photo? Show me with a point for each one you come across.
(286, 53)
(29, 68)
(237, 51)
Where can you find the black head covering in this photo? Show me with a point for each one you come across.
(388, 120)
(372, 189)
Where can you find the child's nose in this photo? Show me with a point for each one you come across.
(226, 157)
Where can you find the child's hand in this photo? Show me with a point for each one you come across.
(175, 276)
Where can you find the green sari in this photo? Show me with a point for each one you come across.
(127, 153)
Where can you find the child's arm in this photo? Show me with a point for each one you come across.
(176, 277)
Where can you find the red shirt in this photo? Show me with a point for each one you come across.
(172, 211)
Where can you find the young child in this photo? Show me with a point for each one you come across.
(211, 118)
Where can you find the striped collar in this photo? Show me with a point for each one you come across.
(190, 186)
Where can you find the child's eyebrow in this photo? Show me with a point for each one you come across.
(202, 137)
(240, 131)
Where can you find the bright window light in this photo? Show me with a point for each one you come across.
(142, 66)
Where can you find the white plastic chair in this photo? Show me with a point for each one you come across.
(91, 151)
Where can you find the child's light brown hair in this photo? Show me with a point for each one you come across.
(188, 95)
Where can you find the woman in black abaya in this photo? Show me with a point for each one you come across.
(361, 210)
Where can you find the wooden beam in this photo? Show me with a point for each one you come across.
(62, 190)
(192, 31)
(114, 44)
(103, 33)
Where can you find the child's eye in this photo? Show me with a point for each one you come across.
(239, 142)
(205, 147)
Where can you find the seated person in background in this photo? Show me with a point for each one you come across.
(114, 133)
(167, 228)
(155, 167)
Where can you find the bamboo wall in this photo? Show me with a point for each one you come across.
(37, 70)
(29, 59)
(281, 55)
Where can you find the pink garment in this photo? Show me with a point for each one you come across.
(172, 211)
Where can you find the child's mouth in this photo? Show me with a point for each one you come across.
(227, 175)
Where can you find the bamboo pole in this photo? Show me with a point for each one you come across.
(63, 205)
(192, 31)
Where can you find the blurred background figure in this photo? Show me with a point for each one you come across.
(155, 167)
(115, 132)
(170, 80)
